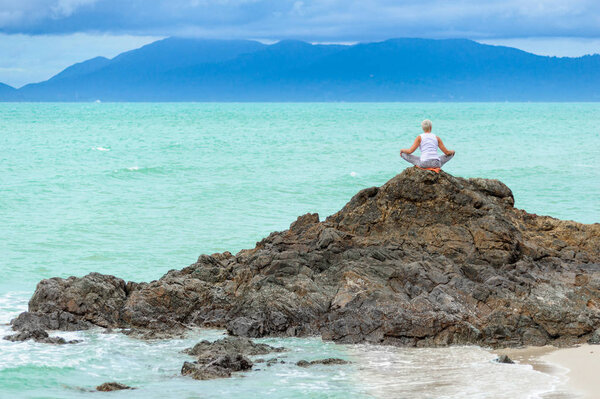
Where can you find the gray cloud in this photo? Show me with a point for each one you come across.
(306, 19)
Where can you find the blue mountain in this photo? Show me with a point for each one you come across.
(177, 69)
(6, 90)
(81, 68)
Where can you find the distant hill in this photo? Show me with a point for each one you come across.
(6, 90)
(178, 69)
(81, 69)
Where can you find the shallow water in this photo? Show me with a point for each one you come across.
(137, 189)
(35, 370)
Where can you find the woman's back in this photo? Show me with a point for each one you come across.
(429, 146)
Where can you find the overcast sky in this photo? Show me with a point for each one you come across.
(38, 38)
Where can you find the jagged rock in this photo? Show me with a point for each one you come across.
(163, 328)
(148, 334)
(38, 336)
(504, 359)
(595, 338)
(246, 327)
(220, 367)
(425, 260)
(229, 345)
(112, 386)
(56, 320)
(220, 358)
(95, 298)
(327, 362)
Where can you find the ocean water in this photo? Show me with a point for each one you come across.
(137, 189)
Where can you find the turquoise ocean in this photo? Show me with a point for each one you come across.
(135, 190)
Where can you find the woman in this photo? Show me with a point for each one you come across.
(428, 143)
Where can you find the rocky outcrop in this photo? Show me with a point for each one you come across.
(424, 260)
(221, 358)
(98, 299)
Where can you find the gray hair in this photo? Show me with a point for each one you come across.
(426, 125)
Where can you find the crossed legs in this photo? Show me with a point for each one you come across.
(431, 163)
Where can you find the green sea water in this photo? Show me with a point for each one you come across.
(137, 189)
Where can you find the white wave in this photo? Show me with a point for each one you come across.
(12, 304)
(101, 149)
(453, 373)
(134, 168)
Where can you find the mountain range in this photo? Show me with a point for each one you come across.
(183, 69)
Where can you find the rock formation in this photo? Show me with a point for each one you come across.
(219, 367)
(424, 260)
(230, 345)
(38, 336)
(112, 386)
(219, 359)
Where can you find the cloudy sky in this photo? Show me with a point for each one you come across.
(38, 38)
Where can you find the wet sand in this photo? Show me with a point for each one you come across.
(583, 363)
(577, 366)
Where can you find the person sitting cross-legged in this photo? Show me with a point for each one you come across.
(428, 143)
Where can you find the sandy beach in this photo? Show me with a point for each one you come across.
(578, 366)
(582, 363)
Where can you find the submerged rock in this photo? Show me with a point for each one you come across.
(504, 359)
(231, 345)
(38, 335)
(327, 362)
(269, 362)
(425, 260)
(112, 386)
(220, 358)
(220, 367)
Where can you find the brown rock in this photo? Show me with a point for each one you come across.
(221, 358)
(424, 260)
(39, 336)
(112, 386)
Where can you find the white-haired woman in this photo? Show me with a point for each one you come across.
(428, 143)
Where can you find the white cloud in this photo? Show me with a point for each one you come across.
(297, 8)
(65, 8)
(14, 13)
(308, 19)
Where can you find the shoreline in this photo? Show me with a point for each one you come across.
(574, 366)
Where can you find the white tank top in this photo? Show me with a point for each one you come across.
(428, 147)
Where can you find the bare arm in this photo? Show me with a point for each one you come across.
(413, 147)
(443, 148)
